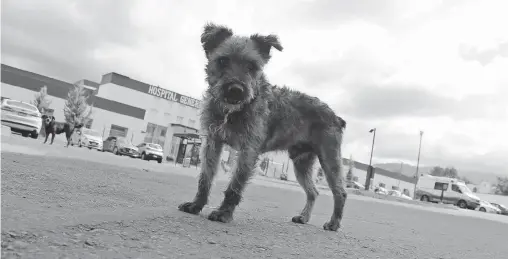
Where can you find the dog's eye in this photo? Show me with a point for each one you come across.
(223, 61)
(251, 66)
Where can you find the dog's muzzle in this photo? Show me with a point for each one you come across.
(234, 94)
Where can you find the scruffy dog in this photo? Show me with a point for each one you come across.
(243, 110)
(53, 127)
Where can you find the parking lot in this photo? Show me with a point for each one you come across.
(82, 203)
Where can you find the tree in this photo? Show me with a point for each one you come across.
(446, 172)
(76, 109)
(41, 100)
(437, 171)
(502, 186)
(464, 179)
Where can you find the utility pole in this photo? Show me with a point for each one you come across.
(400, 171)
(370, 171)
(418, 162)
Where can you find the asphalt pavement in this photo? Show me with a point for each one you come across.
(76, 203)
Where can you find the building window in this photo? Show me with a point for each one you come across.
(118, 131)
(191, 122)
(179, 119)
(155, 134)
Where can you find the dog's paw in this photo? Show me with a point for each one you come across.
(300, 219)
(331, 226)
(190, 207)
(221, 216)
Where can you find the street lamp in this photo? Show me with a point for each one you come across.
(370, 172)
(418, 162)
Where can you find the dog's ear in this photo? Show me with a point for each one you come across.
(265, 44)
(213, 35)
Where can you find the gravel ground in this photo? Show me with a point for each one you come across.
(55, 207)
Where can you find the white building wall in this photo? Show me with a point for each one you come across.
(282, 158)
(103, 119)
(378, 178)
(158, 110)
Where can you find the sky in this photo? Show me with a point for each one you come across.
(399, 66)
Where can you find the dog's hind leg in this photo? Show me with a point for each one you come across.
(211, 155)
(303, 160)
(330, 158)
(233, 195)
(68, 134)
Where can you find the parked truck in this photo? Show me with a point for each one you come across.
(431, 188)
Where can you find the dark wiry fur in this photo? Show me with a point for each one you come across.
(259, 119)
(53, 127)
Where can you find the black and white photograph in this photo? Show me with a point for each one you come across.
(254, 129)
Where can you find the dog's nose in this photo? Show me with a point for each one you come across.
(235, 92)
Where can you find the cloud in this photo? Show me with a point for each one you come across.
(400, 66)
(412, 101)
(484, 56)
(58, 37)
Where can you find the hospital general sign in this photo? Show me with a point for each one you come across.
(172, 96)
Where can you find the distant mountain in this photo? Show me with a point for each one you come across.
(410, 170)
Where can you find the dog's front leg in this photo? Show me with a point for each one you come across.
(46, 140)
(52, 138)
(233, 194)
(211, 155)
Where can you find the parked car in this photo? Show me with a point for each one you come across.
(87, 138)
(485, 206)
(150, 151)
(380, 190)
(429, 188)
(502, 208)
(120, 146)
(21, 117)
(397, 193)
(358, 185)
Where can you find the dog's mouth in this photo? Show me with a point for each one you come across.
(232, 101)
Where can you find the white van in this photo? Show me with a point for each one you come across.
(429, 188)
